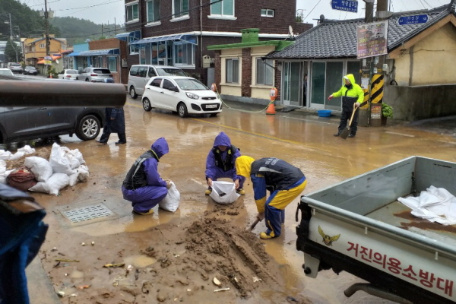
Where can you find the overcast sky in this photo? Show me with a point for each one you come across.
(112, 11)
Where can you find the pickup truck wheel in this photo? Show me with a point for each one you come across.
(88, 128)
(182, 110)
(146, 104)
(133, 93)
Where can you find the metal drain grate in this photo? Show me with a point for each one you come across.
(87, 213)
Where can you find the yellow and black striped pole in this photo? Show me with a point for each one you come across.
(378, 83)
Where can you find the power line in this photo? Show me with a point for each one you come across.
(312, 10)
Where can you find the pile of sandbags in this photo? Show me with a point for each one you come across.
(64, 167)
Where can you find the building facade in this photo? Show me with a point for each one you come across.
(177, 32)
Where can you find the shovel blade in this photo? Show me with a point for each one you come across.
(344, 133)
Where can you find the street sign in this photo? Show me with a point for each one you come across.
(345, 5)
(415, 19)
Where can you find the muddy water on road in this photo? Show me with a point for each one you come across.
(305, 141)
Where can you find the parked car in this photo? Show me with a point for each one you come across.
(15, 67)
(140, 75)
(30, 70)
(25, 123)
(184, 95)
(92, 74)
(6, 72)
(69, 74)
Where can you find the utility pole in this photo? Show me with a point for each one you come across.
(46, 28)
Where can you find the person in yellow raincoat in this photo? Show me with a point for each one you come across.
(352, 94)
(284, 182)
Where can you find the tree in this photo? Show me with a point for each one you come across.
(11, 50)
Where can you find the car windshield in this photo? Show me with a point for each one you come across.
(190, 84)
(71, 71)
(170, 72)
(15, 64)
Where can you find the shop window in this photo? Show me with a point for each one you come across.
(180, 8)
(184, 54)
(222, 8)
(132, 12)
(266, 12)
(153, 10)
(264, 72)
(112, 64)
(232, 70)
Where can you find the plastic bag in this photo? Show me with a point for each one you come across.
(224, 192)
(171, 200)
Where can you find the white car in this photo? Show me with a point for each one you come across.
(184, 95)
(69, 74)
(6, 72)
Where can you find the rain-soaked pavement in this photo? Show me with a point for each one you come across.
(300, 138)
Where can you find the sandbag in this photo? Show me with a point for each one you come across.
(171, 200)
(21, 179)
(224, 192)
(40, 167)
(59, 162)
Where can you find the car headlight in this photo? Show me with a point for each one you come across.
(191, 95)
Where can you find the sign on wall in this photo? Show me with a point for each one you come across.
(345, 5)
(415, 19)
(372, 39)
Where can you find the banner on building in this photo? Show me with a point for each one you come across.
(372, 39)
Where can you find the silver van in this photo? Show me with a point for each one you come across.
(141, 73)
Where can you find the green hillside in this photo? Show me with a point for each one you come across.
(28, 23)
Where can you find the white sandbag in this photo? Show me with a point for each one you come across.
(83, 173)
(3, 172)
(26, 149)
(39, 166)
(6, 155)
(74, 157)
(56, 182)
(53, 185)
(58, 161)
(171, 200)
(224, 192)
(40, 187)
(73, 179)
(16, 155)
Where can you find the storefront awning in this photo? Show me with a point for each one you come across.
(187, 38)
(73, 54)
(98, 52)
(124, 36)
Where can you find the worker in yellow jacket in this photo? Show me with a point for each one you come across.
(352, 94)
(284, 183)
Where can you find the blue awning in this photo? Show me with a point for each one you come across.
(98, 52)
(187, 38)
(124, 36)
(73, 54)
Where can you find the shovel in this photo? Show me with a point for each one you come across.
(254, 224)
(346, 131)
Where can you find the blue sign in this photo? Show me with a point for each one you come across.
(345, 5)
(413, 19)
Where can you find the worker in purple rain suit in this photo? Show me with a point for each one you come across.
(143, 186)
(284, 183)
(220, 163)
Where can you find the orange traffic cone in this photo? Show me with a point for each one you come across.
(271, 109)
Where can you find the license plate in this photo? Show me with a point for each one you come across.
(211, 106)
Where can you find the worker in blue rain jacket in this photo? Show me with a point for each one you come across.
(283, 181)
(143, 186)
(220, 163)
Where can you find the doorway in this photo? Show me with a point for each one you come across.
(292, 83)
